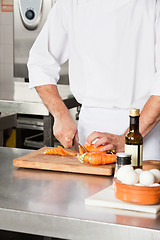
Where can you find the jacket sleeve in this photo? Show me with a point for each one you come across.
(156, 84)
(50, 49)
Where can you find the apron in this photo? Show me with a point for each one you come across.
(116, 121)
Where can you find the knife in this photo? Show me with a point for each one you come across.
(76, 145)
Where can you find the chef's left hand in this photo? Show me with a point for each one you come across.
(110, 141)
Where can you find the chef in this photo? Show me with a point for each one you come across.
(113, 49)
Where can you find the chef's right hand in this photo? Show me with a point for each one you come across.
(64, 129)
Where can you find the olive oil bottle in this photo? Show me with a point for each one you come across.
(134, 140)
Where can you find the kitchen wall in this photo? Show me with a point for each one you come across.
(6, 55)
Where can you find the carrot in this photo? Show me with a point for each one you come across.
(98, 158)
(81, 150)
(92, 148)
(53, 151)
(70, 152)
(86, 157)
(60, 151)
(108, 158)
(56, 150)
(49, 151)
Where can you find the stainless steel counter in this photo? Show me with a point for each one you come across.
(53, 204)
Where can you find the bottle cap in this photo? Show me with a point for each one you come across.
(134, 112)
(123, 158)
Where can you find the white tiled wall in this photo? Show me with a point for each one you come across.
(6, 56)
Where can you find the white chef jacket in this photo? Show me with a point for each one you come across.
(113, 48)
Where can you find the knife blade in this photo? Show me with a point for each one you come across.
(76, 145)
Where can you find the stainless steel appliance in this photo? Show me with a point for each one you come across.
(29, 17)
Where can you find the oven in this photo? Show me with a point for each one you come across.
(29, 17)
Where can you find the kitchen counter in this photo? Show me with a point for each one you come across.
(52, 204)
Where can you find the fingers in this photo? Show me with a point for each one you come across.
(64, 130)
(71, 138)
(93, 136)
(106, 139)
(66, 139)
(108, 147)
(101, 141)
(106, 142)
(100, 137)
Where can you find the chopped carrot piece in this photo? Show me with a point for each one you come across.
(81, 150)
(49, 151)
(61, 151)
(70, 152)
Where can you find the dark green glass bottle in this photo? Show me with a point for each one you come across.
(134, 140)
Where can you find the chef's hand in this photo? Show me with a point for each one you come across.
(64, 129)
(110, 141)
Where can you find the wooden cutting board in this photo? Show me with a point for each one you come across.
(37, 160)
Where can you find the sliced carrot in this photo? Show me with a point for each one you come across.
(45, 152)
(70, 152)
(81, 150)
(61, 151)
(49, 151)
(56, 151)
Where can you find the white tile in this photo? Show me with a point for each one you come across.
(7, 90)
(2, 29)
(8, 72)
(8, 54)
(1, 54)
(6, 34)
(1, 34)
(6, 82)
(6, 18)
(0, 16)
(1, 72)
(7, 31)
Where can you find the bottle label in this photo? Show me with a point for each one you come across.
(137, 154)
